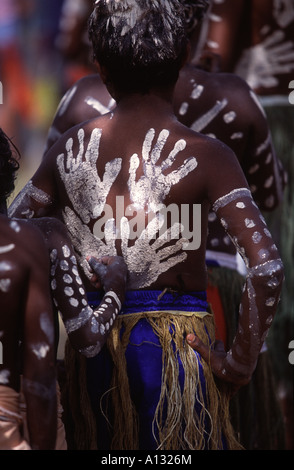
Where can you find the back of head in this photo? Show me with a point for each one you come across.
(8, 167)
(194, 11)
(142, 44)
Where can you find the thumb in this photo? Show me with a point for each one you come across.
(198, 346)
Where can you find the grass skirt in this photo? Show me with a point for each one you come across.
(150, 390)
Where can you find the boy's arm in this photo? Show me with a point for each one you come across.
(39, 373)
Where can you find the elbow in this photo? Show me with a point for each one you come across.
(91, 351)
(275, 278)
(85, 346)
(268, 277)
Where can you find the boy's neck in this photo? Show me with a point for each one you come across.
(158, 101)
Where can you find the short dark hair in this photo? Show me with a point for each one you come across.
(8, 166)
(141, 43)
(194, 11)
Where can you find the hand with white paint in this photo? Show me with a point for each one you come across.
(152, 188)
(110, 273)
(151, 256)
(259, 64)
(86, 242)
(86, 191)
(87, 325)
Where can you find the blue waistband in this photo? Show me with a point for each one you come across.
(155, 300)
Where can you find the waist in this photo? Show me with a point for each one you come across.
(156, 300)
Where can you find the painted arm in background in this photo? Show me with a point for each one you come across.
(261, 291)
(39, 371)
(223, 31)
(87, 99)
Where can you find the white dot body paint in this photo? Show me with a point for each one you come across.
(64, 265)
(229, 117)
(67, 279)
(268, 271)
(6, 248)
(15, 226)
(66, 251)
(183, 108)
(74, 302)
(68, 291)
(53, 255)
(5, 266)
(249, 223)
(4, 376)
(197, 91)
(40, 350)
(5, 285)
(237, 135)
(256, 237)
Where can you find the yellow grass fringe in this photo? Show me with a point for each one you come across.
(182, 428)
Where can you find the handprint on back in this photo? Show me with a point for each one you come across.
(152, 188)
(86, 191)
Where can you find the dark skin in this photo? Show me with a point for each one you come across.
(109, 273)
(123, 133)
(30, 276)
(245, 25)
(89, 98)
(28, 271)
(36, 265)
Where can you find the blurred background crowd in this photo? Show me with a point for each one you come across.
(44, 49)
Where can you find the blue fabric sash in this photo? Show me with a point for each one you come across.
(155, 300)
(144, 363)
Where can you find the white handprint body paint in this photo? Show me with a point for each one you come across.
(261, 64)
(86, 191)
(150, 257)
(283, 12)
(153, 186)
(146, 259)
